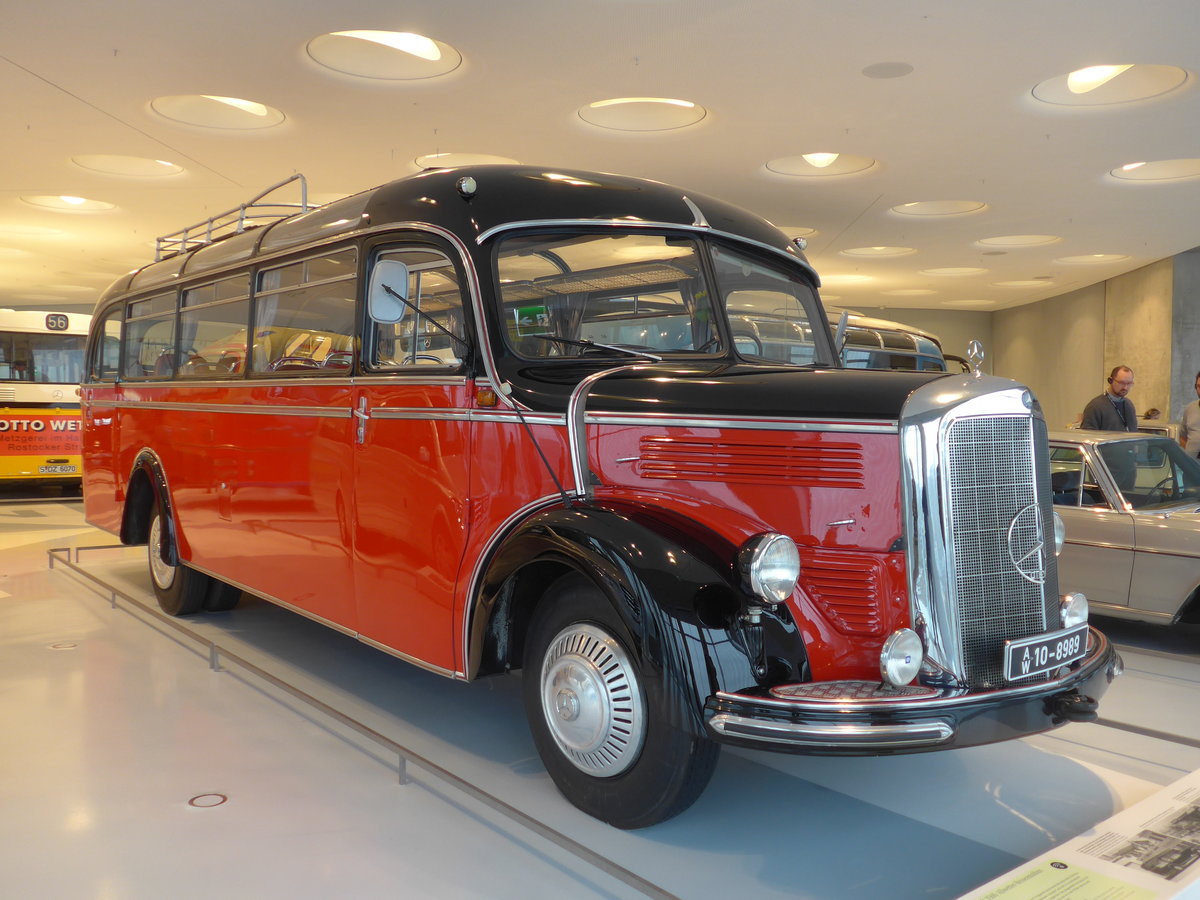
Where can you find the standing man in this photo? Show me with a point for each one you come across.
(1112, 410)
(1189, 425)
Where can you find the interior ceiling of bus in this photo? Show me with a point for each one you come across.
(960, 103)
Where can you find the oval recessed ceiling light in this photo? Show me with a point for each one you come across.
(845, 280)
(454, 160)
(975, 303)
(66, 203)
(211, 111)
(820, 165)
(1160, 170)
(12, 253)
(129, 166)
(642, 113)
(1019, 240)
(878, 252)
(1023, 283)
(934, 208)
(954, 271)
(1111, 84)
(386, 55)
(1088, 259)
(910, 292)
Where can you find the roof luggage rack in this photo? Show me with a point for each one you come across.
(253, 212)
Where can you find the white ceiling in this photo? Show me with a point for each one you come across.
(778, 77)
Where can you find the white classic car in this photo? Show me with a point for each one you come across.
(1131, 506)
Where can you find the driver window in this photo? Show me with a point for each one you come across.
(431, 330)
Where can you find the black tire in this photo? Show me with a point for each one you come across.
(601, 724)
(221, 597)
(180, 590)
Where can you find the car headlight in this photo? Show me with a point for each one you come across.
(1060, 533)
(901, 657)
(770, 565)
(1074, 608)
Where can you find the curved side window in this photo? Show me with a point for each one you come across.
(421, 287)
(104, 360)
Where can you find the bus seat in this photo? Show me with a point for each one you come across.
(165, 364)
(1065, 487)
(293, 364)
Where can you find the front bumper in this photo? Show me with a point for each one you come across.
(884, 722)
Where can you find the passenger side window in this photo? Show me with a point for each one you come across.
(304, 317)
(150, 338)
(1072, 481)
(213, 328)
(431, 328)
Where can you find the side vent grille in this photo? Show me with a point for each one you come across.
(846, 588)
(827, 464)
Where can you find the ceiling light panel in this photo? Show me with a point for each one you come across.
(1109, 85)
(642, 114)
(820, 164)
(66, 203)
(127, 166)
(1159, 171)
(878, 252)
(384, 55)
(213, 111)
(1015, 241)
(454, 160)
(935, 208)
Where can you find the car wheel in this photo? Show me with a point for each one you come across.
(600, 721)
(180, 590)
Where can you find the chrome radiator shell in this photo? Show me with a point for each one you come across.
(978, 525)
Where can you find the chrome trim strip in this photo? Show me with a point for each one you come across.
(577, 427)
(419, 663)
(510, 418)
(641, 224)
(320, 412)
(329, 623)
(407, 379)
(421, 413)
(744, 423)
(832, 735)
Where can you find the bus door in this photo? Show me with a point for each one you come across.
(412, 441)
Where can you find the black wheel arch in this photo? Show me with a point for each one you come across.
(671, 582)
(147, 488)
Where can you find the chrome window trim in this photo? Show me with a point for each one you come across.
(324, 412)
(421, 414)
(641, 225)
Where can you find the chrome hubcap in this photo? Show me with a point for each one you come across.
(163, 574)
(591, 701)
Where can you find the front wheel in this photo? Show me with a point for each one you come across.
(601, 723)
(180, 590)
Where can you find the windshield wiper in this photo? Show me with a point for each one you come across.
(428, 318)
(592, 345)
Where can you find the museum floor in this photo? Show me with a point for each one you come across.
(131, 768)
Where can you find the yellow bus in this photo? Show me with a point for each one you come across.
(41, 356)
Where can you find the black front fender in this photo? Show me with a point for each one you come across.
(681, 602)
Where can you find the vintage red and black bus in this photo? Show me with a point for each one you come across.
(496, 418)
(41, 362)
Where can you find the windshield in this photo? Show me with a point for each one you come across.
(41, 358)
(620, 294)
(1152, 473)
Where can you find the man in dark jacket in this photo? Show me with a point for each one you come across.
(1112, 410)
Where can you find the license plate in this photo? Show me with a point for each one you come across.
(1044, 653)
(56, 470)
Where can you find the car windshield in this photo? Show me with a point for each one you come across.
(1153, 473)
(619, 294)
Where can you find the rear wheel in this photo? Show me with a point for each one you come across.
(180, 590)
(601, 723)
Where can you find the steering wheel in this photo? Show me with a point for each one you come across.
(1164, 490)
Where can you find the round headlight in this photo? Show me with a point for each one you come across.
(1074, 609)
(770, 565)
(1060, 533)
(900, 659)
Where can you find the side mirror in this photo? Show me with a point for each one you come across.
(388, 292)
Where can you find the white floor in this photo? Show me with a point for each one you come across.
(112, 723)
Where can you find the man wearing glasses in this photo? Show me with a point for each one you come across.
(1189, 425)
(1112, 410)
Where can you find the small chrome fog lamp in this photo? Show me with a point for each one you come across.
(1060, 533)
(769, 564)
(1074, 608)
(900, 659)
